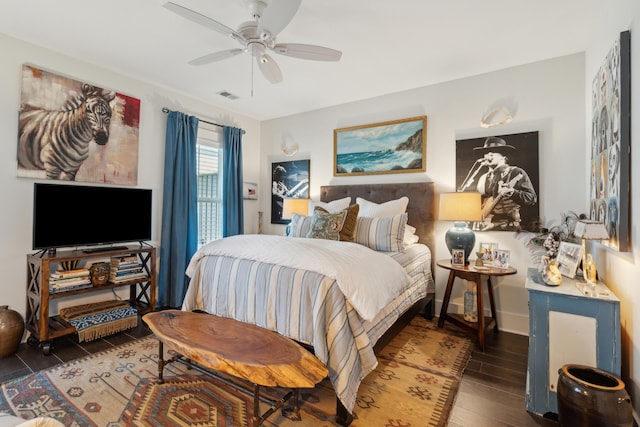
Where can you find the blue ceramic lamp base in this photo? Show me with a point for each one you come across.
(460, 236)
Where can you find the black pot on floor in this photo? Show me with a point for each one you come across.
(591, 397)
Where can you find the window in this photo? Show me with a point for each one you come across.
(209, 171)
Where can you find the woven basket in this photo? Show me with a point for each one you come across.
(99, 273)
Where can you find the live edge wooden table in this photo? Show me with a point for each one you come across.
(474, 274)
(245, 351)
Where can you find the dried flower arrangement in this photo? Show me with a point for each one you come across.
(547, 241)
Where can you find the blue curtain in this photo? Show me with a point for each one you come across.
(233, 207)
(179, 236)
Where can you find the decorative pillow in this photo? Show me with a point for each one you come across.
(332, 207)
(382, 234)
(325, 225)
(299, 225)
(410, 236)
(348, 232)
(383, 210)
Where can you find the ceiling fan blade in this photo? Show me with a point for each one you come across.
(277, 16)
(202, 20)
(308, 51)
(269, 68)
(216, 56)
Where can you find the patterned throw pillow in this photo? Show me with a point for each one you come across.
(325, 225)
(382, 234)
(348, 232)
(299, 225)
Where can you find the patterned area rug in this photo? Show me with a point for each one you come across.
(414, 384)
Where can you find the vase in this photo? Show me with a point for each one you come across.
(591, 397)
(11, 330)
(470, 306)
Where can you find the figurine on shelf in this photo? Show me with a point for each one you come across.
(550, 271)
(590, 270)
(479, 262)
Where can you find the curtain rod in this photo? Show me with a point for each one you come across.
(166, 110)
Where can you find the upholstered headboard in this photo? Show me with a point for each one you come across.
(421, 208)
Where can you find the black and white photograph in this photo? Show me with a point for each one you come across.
(610, 139)
(569, 256)
(504, 170)
(288, 180)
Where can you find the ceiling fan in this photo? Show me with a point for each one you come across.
(258, 36)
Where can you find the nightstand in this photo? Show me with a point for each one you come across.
(474, 274)
(567, 327)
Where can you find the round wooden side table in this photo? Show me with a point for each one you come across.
(473, 273)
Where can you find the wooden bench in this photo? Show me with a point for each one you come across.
(245, 351)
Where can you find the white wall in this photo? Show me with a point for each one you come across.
(620, 271)
(547, 97)
(17, 193)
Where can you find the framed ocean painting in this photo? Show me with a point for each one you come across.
(397, 146)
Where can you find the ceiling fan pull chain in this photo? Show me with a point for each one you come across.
(252, 77)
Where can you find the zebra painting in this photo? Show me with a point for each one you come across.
(58, 141)
(73, 130)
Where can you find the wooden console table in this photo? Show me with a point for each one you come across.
(472, 273)
(245, 351)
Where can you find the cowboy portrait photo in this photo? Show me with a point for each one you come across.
(504, 170)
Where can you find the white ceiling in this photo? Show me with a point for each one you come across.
(387, 46)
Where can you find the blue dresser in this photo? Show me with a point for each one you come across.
(567, 326)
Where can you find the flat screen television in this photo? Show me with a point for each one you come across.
(66, 215)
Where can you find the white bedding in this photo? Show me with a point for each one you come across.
(353, 265)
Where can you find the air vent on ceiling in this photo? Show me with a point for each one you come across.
(227, 94)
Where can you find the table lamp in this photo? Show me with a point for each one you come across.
(294, 205)
(460, 207)
(589, 230)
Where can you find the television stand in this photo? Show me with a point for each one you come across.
(104, 249)
(45, 326)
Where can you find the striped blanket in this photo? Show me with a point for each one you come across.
(304, 304)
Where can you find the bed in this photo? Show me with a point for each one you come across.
(310, 290)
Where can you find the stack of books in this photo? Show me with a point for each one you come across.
(124, 268)
(68, 280)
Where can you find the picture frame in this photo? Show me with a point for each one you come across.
(249, 191)
(610, 144)
(289, 179)
(105, 155)
(501, 259)
(488, 164)
(487, 252)
(457, 257)
(397, 146)
(569, 256)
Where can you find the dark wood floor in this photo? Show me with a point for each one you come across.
(491, 394)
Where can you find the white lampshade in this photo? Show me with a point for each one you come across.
(590, 230)
(294, 205)
(460, 206)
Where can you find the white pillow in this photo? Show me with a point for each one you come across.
(381, 234)
(331, 207)
(410, 236)
(382, 210)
